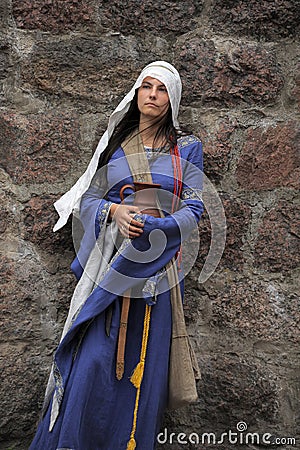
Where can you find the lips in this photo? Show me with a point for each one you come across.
(151, 104)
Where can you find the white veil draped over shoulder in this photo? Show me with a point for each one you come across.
(161, 70)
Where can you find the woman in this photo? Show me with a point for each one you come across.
(110, 379)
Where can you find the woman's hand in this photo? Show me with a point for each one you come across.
(123, 215)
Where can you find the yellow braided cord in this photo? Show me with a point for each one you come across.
(138, 374)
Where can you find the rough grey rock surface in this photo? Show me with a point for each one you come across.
(64, 65)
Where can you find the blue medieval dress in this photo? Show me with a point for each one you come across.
(95, 410)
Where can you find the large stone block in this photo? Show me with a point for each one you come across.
(241, 73)
(277, 247)
(270, 158)
(90, 69)
(39, 218)
(135, 17)
(22, 382)
(38, 148)
(217, 148)
(237, 216)
(33, 305)
(253, 309)
(33, 294)
(237, 388)
(55, 17)
(233, 389)
(261, 19)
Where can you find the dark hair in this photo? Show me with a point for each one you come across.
(130, 122)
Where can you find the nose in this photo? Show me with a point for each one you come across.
(153, 92)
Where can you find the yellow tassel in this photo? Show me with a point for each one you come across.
(131, 444)
(137, 376)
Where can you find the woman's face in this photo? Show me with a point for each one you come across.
(153, 99)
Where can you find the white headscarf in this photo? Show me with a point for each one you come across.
(160, 70)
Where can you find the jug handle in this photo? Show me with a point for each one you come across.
(123, 189)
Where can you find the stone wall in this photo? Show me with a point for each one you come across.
(64, 65)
